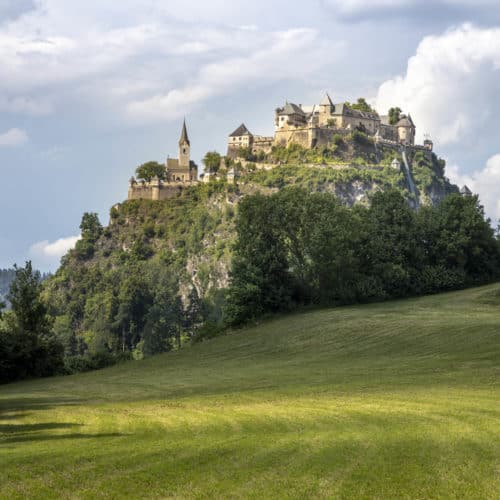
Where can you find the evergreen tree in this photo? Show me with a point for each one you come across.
(193, 314)
(29, 346)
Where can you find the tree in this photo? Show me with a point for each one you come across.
(134, 300)
(392, 243)
(212, 161)
(466, 240)
(331, 250)
(161, 327)
(29, 346)
(394, 115)
(151, 169)
(261, 282)
(90, 227)
(193, 314)
(361, 105)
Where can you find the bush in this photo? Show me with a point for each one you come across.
(84, 249)
(361, 138)
(337, 139)
(96, 361)
(209, 330)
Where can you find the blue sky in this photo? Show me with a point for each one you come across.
(90, 89)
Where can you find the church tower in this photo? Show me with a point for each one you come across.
(184, 148)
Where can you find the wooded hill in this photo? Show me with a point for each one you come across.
(158, 275)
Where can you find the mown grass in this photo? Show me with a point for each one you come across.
(394, 400)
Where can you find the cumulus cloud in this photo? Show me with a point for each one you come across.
(13, 138)
(484, 182)
(451, 85)
(53, 250)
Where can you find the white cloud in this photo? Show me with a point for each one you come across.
(145, 62)
(47, 255)
(451, 85)
(56, 249)
(485, 183)
(13, 138)
(269, 62)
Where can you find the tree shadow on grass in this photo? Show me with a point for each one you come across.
(18, 408)
(15, 408)
(24, 428)
(55, 437)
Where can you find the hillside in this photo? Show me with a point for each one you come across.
(389, 400)
(185, 243)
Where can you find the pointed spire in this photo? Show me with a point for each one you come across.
(326, 100)
(184, 135)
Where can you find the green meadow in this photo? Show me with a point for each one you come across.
(392, 400)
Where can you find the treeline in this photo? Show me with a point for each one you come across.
(28, 345)
(293, 248)
(299, 248)
(138, 315)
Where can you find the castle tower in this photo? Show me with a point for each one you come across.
(406, 130)
(326, 109)
(184, 148)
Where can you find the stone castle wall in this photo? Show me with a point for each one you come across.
(157, 190)
(308, 137)
(293, 135)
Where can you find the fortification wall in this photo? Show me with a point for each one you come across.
(324, 136)
(158, 192)
(264, 144)
(287, 136)
(389, 133)
(232, 151)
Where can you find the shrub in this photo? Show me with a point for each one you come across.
(96, 361)
(209, 330)
(361, 138)
(337, 139)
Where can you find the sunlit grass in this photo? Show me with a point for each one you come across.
(395, 400)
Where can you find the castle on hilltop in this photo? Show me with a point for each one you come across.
(306, 126)
(179, 172)
(311, 126)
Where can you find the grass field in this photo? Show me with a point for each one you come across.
(394, 400)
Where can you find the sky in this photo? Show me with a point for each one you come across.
(91, 89)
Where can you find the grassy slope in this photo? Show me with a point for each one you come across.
(387, 400)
